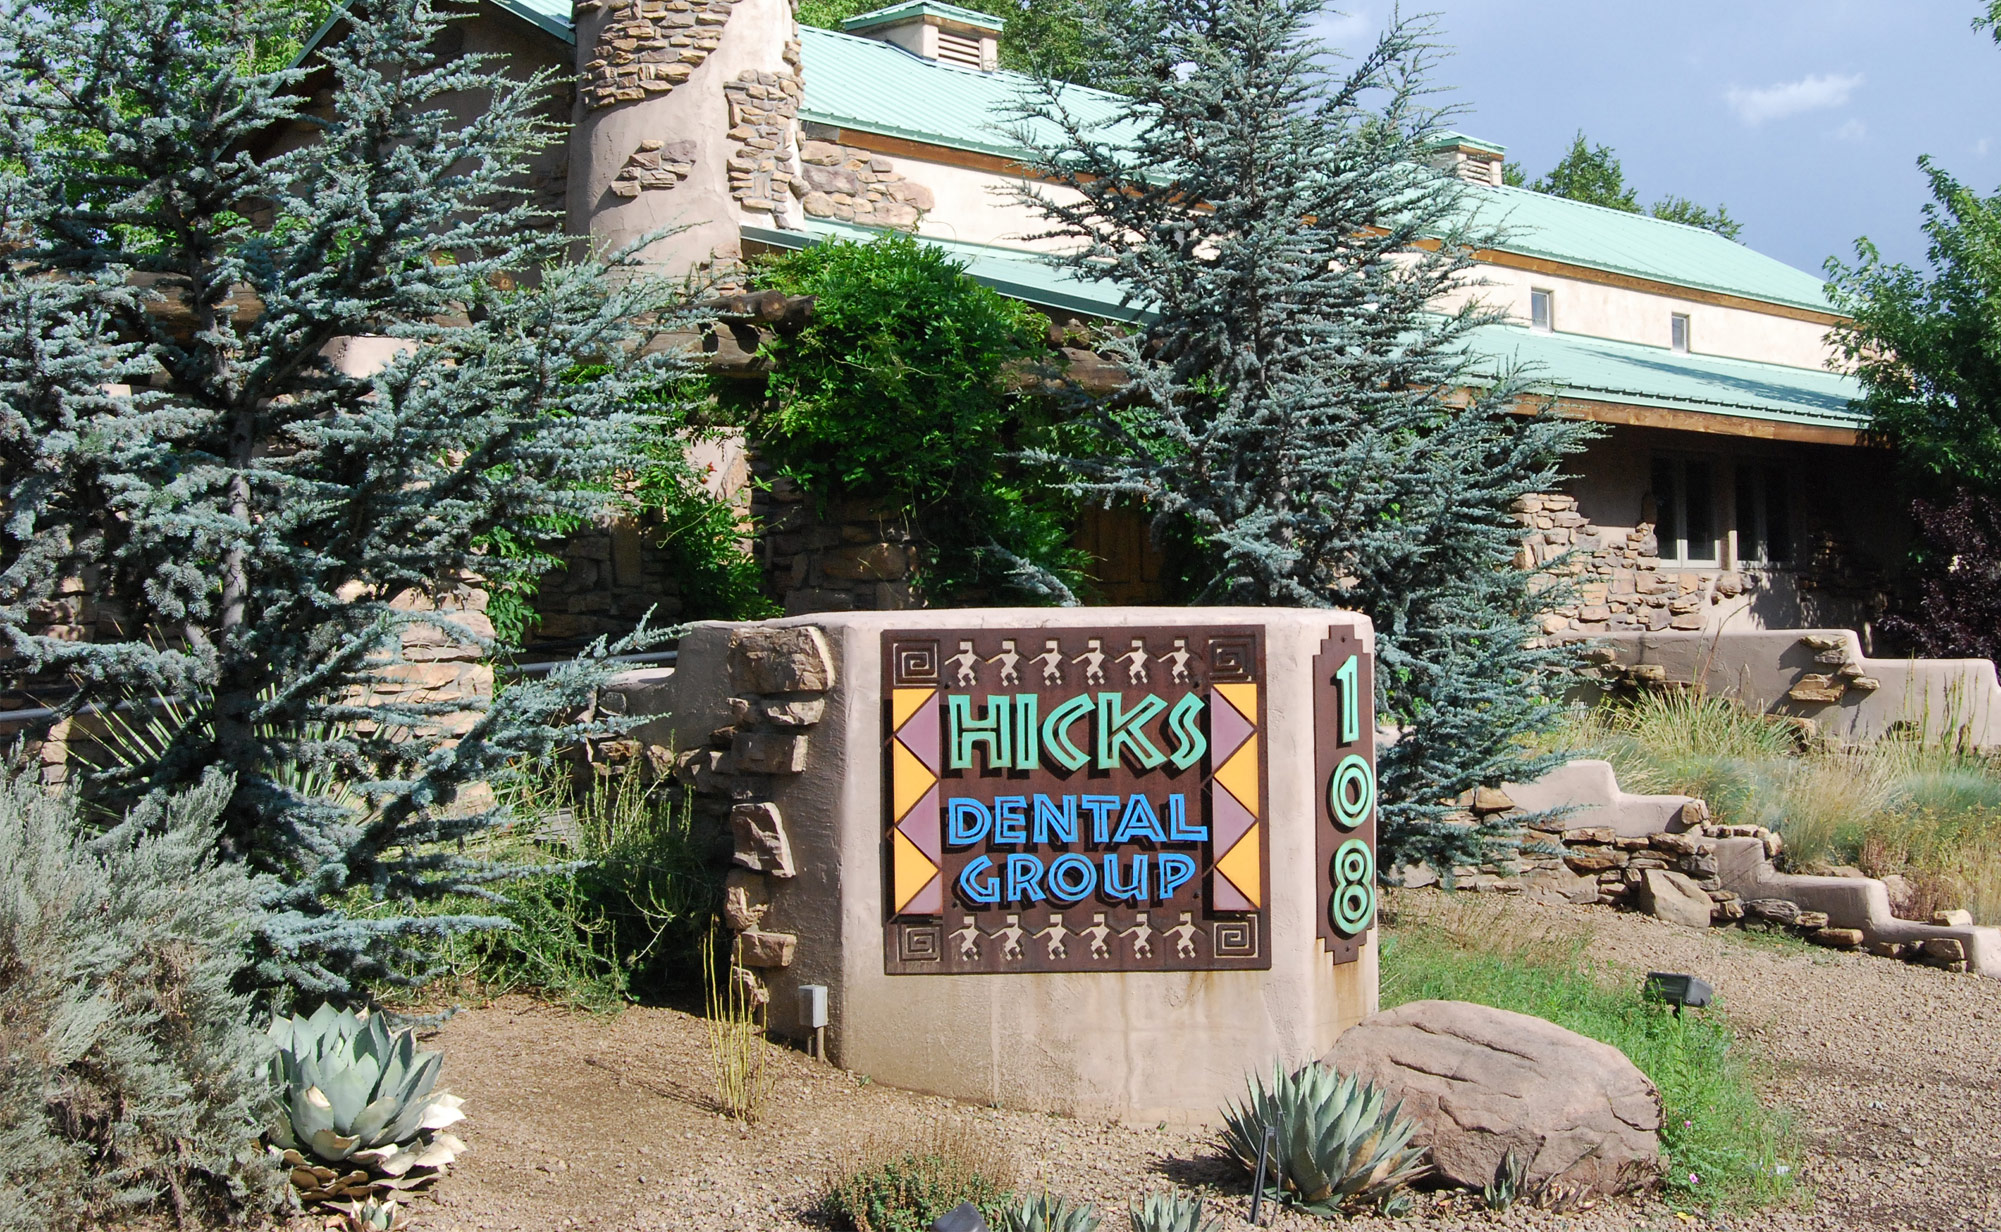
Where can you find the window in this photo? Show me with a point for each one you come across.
(1685, 510)
(1678, 332)
(1764, 515)
(1539, 311)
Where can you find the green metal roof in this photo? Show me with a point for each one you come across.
(1562, 364)
(922, 8)
(1447, 140)
(1603, 370)
(872, 86)
(1011, 271)
(876, 87)
(1560, 229)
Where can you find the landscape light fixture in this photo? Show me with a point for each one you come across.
(1679, 990)
(964, 1217)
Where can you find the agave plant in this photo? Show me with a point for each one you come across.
(1339, 1148)
(1509, 1184)
(368, 1215)
(1165, 1211)
(360, 1111)
(1046, 1212)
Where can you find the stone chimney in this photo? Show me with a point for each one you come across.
(1476, 162)
(687, 117)
(942, 32)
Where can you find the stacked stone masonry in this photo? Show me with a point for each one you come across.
(1671, 876)
(647, 47)
(764, 112)
(779, 680)
(853, 185)
(654, 165)
(844, 556)
(1617, 572)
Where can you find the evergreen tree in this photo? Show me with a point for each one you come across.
(270, 527)
(1297, 401)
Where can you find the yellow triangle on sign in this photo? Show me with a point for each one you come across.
(911, 869)
(1244, 697)
(905, 702)
(1239, 775)
(909, 779)
(1242, 867)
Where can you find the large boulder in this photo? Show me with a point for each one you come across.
(1482, 1082)
(1671, 896)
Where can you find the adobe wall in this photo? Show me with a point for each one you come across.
(1818, 674)
(1094, 1012)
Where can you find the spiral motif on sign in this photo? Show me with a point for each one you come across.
(1351, 794)
(1353, 906)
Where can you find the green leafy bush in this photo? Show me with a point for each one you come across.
(1719, 1144)
(894, 391)
(906, 1190)
(131, 1077)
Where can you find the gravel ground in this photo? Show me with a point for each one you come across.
(604, 1122)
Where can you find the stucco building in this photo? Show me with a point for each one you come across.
(1733, 484)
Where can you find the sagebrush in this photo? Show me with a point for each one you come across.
(132, 1077)
(905, 1189)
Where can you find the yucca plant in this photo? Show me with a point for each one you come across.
(1339, 1148)
(1167, 1211)
(356, 1094)
(1045, 1212)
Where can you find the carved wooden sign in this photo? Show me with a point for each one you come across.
(1075, 800)
(1344, 776)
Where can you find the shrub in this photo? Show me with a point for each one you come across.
(894, 391)
(130, 1075)
(1713, 1127)
(906, 1190)
(625, 886)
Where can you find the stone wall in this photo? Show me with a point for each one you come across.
(840, 555)
(856, 185)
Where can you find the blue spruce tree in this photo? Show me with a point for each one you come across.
(1300, 402)
(187, 241)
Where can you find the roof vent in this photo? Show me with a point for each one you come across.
(942, 32)
(1472, 160)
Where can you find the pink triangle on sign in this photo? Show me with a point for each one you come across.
(1228, 820)
(920, 825)
(1227, 729)
(919, 734)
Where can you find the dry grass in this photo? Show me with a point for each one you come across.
(903, 1188)
(739, 1055)
(1927, 809)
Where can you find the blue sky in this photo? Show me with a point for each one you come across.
(1805, 116)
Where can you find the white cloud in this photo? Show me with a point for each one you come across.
(1852, 130)
(1345, 27)
(1981, 147)
(1814, 92)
